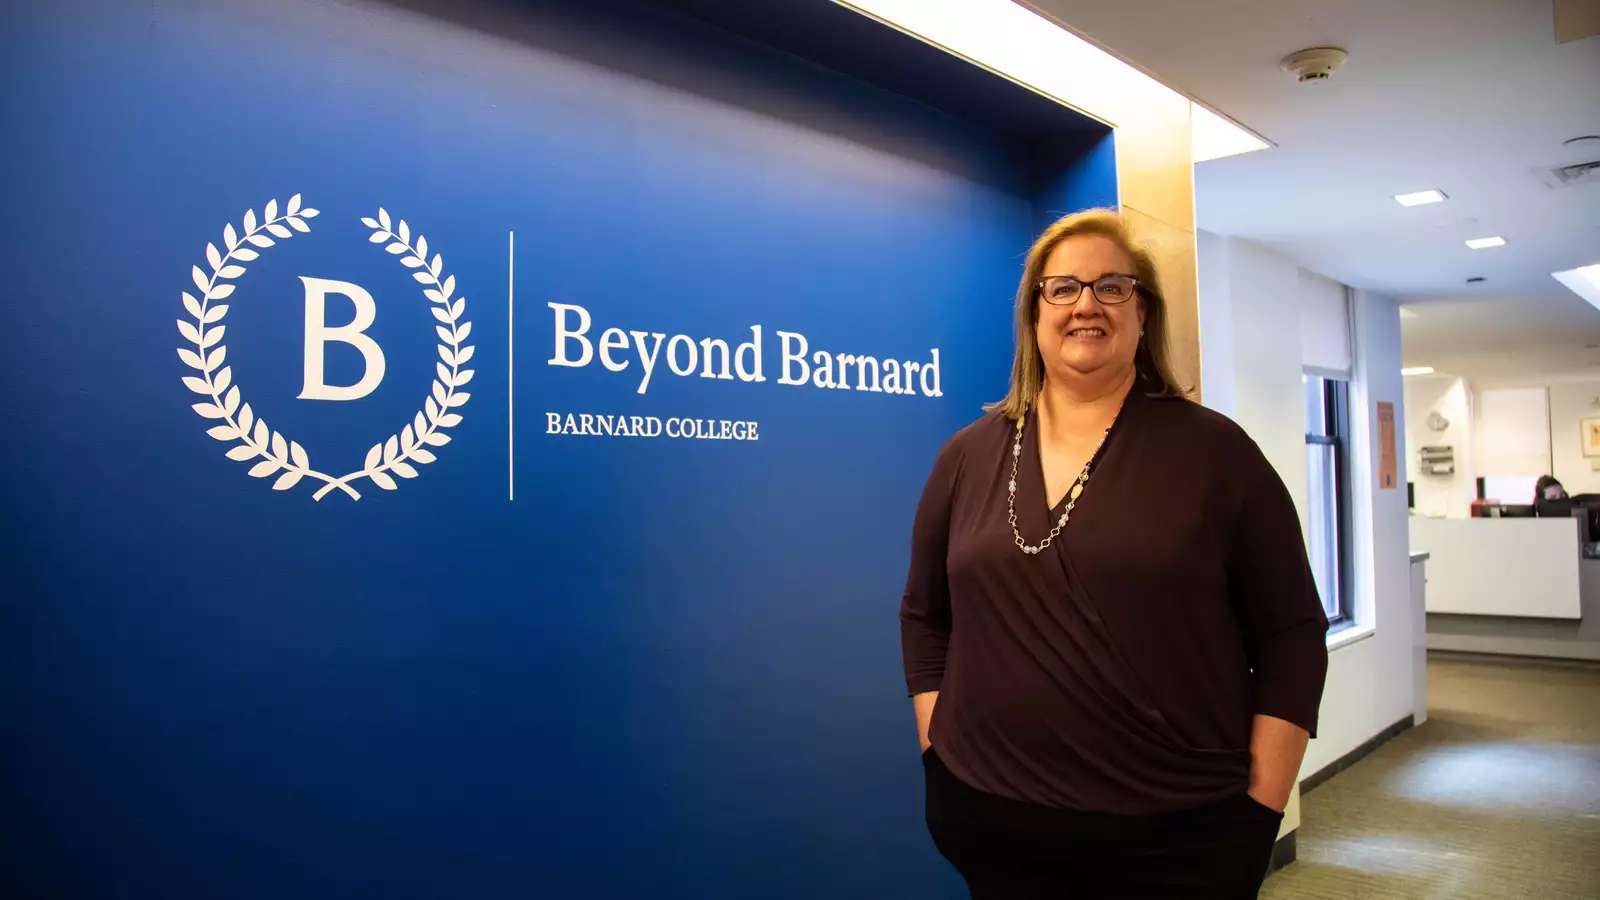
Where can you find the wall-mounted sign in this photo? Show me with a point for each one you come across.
(726, 303)
(246, 432)
(250, 439)
(1387, 474)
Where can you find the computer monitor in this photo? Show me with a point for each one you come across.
(1553, 509)
(1509, 488)
(1590, 504)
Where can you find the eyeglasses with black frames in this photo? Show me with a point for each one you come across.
(1065, 290)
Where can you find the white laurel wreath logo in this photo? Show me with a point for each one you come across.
(253, 439)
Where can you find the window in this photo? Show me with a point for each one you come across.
(1327, 477)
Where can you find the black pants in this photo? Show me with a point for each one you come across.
(1009, 850)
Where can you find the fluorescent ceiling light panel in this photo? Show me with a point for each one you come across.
(1583, 281)
(1417, 370)
(1485, 243)
(1025, 47)
(1420, 198)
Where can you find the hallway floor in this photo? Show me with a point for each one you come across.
(1497, 795)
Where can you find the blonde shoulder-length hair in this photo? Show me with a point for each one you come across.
(1151, 360)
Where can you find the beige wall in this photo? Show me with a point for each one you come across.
(1155, 185)
(1155, 180)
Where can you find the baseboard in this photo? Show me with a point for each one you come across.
(1451, 654)
(1283, 852)
(1354, 756)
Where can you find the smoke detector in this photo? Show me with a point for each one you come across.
(1314, 64)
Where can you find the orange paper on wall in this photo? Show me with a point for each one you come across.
(1386, 451)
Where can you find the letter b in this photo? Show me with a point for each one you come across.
(318, 334)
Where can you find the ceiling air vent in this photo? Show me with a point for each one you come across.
(1573, 175)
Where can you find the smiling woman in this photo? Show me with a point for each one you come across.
(1100, 703)
(1102, 236)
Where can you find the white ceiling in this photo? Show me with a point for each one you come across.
(1468, 96)
(1494, 340)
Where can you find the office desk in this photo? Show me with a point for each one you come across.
(1501, 567)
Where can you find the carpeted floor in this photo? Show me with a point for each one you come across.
(1497, 795)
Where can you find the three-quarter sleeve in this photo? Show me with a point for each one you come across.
(1275, 597)
(925, 604)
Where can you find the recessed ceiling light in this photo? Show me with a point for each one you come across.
(1417, 370)
(1485, 243)
(1420, 198)
(1583, 281)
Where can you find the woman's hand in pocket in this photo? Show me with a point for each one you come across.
(923, 705)
(1274, 808)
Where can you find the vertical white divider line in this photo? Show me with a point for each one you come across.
(511, 349)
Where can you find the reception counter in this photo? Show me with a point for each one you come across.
(1419, 637)
(1501, 567)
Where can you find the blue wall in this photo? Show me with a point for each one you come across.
(667, 667)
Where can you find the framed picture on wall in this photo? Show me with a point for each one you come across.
(1591, 436)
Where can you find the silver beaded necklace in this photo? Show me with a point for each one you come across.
(1072, 493)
